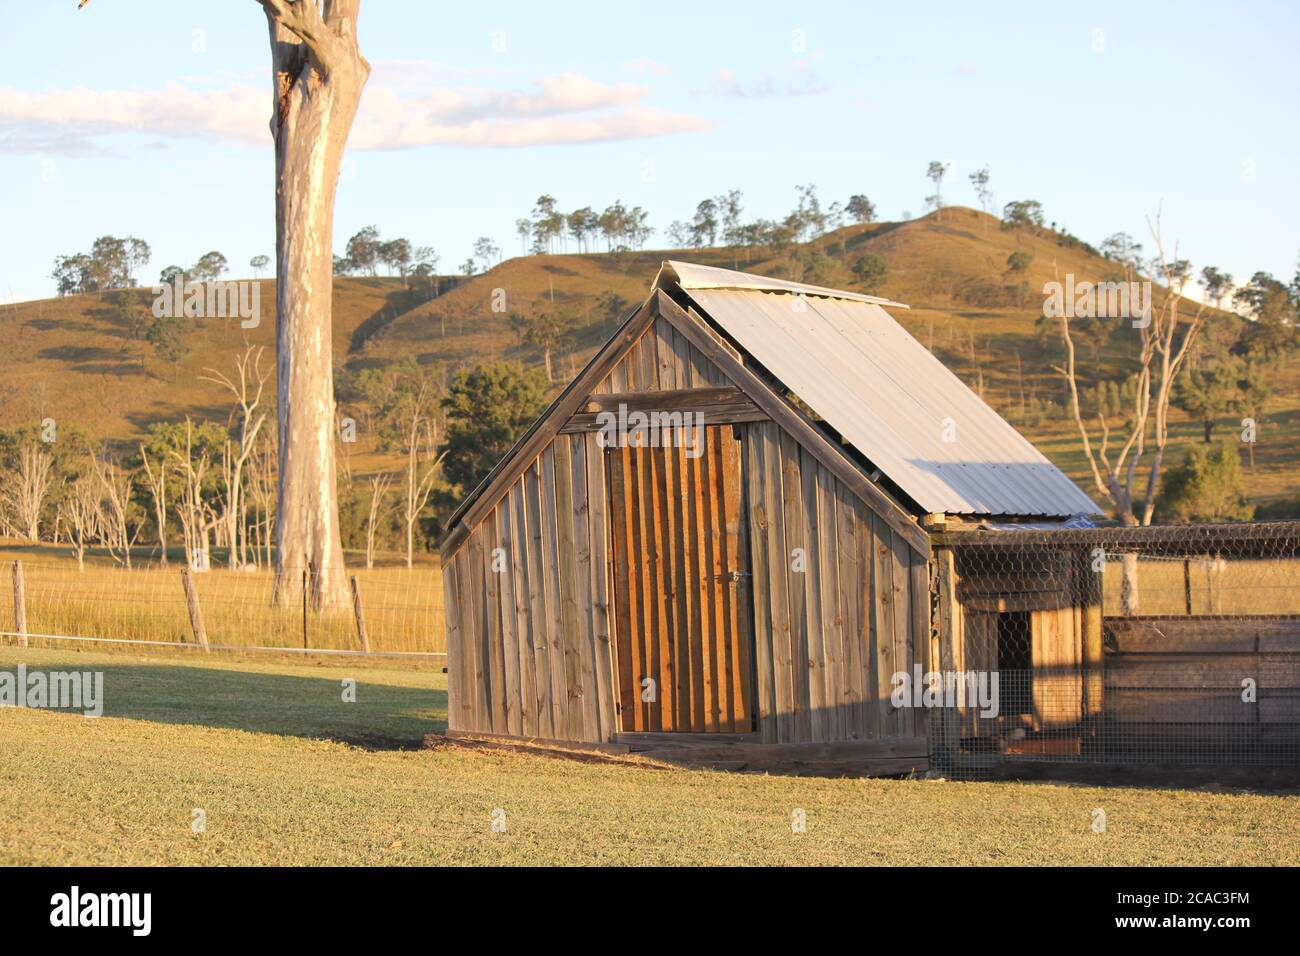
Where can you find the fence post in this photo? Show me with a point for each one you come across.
(20, 604)
(196, 612)
(361, 619)
(1090, 593)
(304, 609)
(1214, 582)
(946, 731)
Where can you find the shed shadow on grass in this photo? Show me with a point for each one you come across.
(383, 716)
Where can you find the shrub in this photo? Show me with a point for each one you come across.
(871, 271)
(1207, 486)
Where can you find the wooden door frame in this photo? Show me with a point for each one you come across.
(749, 633)
(745, 546)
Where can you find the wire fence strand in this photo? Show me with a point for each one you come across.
(401, 609)
(1168, 646)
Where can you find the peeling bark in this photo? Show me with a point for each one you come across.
(318, 75)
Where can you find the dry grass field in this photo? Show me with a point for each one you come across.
(1232, 587)
(285, 772)
(403, 608)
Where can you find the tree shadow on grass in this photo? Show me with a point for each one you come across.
(382, 717)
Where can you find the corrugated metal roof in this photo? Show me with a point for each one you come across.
(688, 275)
(886, 394)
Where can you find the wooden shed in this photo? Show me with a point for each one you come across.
(736, 573)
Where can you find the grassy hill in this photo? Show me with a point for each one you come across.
(74, 360)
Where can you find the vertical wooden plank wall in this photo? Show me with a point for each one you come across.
(841, 603)
(528, 605)
(661, 359)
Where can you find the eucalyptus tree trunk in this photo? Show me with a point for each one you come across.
(318, 75)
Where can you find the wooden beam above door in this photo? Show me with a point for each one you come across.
(716, 405)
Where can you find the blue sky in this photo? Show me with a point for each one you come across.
(147, 118)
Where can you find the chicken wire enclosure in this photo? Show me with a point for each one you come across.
(1167, 646)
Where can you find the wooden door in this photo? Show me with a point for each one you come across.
(681, 587)
(1057, 678)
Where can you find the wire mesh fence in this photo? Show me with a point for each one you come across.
(377, 611)
(1168, 646)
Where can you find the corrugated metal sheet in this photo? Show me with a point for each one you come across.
(887, 395)
(691, 276)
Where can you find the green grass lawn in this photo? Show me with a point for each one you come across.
(287, 773)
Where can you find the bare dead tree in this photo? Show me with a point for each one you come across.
(419, 485)
(115, 485)
(420, 440)
(155, 475)
(261, 487)
(192, 510)
(23, 490)
(247, 387)
(82, 508)
(379, 485)
(1165, 336)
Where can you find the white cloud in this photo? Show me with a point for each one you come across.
(18, 141)
(559, 109)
